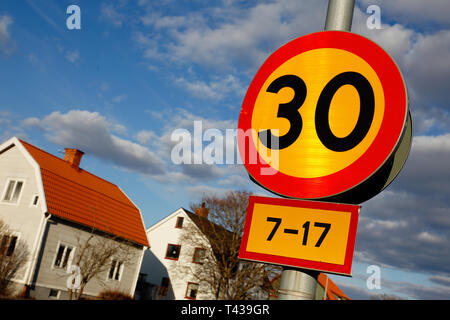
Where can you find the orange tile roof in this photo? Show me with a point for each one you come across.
(332, 288)
(79, 196)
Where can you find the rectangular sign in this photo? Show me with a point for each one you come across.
(298, 233)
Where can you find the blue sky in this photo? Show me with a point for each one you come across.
(139, 69)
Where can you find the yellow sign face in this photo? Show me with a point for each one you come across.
(307, 156)
(288, 231)
(300, 233)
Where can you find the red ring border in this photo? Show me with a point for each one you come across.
(386, 141)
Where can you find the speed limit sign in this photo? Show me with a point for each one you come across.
(326, 113)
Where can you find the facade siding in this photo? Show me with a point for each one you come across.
(51, 277)
(23, 218)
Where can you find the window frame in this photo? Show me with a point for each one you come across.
(58, 293)
(187, 290)
(179, 219)
(118, 269)
(69, 258)
(195, 251)
(167, 250)
(13, 191)
(10, 235)
(33, 198)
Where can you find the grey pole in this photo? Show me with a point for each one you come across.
(339, 15)
(300, 284)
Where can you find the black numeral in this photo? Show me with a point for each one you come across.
(365, 118)
(305, 233)
(290, 112)
(275, 228)
(326, 227)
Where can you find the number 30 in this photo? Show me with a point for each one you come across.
(290, 112)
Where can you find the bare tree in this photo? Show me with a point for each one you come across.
(385, 296)
(219, 268)
(13, 255)
(97, 254)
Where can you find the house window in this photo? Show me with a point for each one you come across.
(179, 223)
(63, 256)
(53, 294)
(13, 191)
(7, 245)
(199, 255)
(164, 287)
(116, 270)
(191, 290)
(35, 201)
(173, 251)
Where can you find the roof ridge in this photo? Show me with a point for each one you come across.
(80, 169)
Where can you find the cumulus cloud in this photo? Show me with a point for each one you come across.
(94, 133)
(235, 41)
(243, 37)
(91, 132)
(216, 89)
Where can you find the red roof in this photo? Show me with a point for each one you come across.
(79, 196)
(333, 290)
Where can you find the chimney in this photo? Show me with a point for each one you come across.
(73, 156)
(202, 212)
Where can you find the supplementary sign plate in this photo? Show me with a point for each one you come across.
(305, 234)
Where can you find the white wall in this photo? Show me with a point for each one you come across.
(156, 266)
(22, 217)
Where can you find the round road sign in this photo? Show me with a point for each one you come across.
(323, 114)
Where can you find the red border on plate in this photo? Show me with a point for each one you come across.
(344, 269)
(388, 136)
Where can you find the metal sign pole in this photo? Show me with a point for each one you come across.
(300, 284)
(339, 15)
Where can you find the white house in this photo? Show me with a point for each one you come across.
(161, 277)
(180, 247)
(50, 204)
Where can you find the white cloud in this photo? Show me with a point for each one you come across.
(430, 238)
(427, 144)
(6, 43)
(111, 13)
(428, 66)
(120, 98)
(144, 136)
(217, 89)
(72, 56)
(244, 35)
(91, 132)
